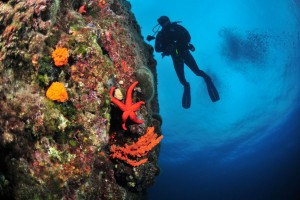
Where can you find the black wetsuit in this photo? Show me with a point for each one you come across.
(174, 40)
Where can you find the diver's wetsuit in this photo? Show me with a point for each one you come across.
(173, 40)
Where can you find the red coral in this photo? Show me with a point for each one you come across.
(130, 153)
(124, 66)
(82, 9)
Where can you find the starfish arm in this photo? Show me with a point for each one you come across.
(129, 94)
(136, 106)
(128, 108)
(125, 115)
(116, 101)
(134, 118)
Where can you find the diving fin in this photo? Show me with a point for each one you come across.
(212, 91)
(186, 98)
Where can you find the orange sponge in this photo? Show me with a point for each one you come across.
(60, 56)
(57, 92)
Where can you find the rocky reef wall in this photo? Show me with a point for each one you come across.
(62, 136)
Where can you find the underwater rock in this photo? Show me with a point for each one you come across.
(60, 148)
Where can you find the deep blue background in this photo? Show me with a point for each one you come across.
(247, 145)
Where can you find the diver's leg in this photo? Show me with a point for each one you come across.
(179, 68)
(191, 63)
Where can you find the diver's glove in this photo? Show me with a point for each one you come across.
(191, 47)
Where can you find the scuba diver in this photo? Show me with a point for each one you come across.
(174, 40)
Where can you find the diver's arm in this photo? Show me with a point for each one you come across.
(166, 47)
(158, 47)
(158, 43)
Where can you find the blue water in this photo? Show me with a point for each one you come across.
(247, 145)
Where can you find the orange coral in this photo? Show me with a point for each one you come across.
(60, 56)
(138, 149)
(101, 3)
(57, 92)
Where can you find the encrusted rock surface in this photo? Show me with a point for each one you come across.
(61, 150)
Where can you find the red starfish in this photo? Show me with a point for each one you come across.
(128, 108)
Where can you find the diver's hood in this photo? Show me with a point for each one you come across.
(158, 26)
